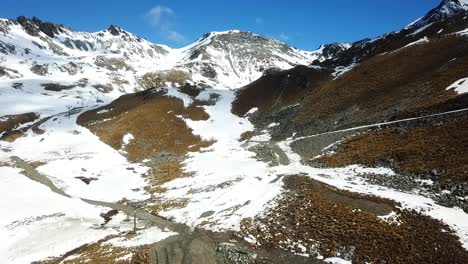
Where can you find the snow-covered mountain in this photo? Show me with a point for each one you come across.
(447, 18)
(315, 160)
(31, 47)
(446, 9)
(240, 57)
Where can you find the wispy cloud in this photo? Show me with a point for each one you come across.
(163, 19)
(160, 15)
(259, 20)
(175, 36)
(283, 36)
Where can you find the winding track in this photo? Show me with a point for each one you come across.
(380, 124)
(34, 175)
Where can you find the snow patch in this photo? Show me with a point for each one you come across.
(144, 237)
(460, 86)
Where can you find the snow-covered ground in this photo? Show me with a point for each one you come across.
(144, 237)
(37, 223)
(69, 151)
(228, 184)
(460, 86)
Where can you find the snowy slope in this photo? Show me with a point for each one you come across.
(239, 57)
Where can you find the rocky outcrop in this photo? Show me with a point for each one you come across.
(34, 26)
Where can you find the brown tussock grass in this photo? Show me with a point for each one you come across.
(163, 173)
(100, 253)
(315, 212)
(247, 135)
(413, 151)
(11, 122)
(156, 124)
(153, 122)
(276, 90)
(411, 78)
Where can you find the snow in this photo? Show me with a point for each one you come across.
(251, 111)
(337, 261)
(37, 223)
(235, 65)
(421, 29)
(273, 125)
(391, 218)
(414, 22)
(343, 69)
(222, 172)
(127, 138)
(460, 86)
(446, 10)
(144, 237)
(72, 151)
(417, 42)
(462, 32)
(40, 223)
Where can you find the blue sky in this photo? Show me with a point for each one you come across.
(304, 24)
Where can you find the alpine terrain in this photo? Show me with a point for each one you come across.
(237, 148)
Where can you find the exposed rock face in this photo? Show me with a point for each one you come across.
(115, 31)
(35, 25)
(40, 69)
(330, 51)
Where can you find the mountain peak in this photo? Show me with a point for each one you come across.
(226, 32)
(115, 30)
(446, 9)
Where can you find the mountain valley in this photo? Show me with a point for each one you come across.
(237, 148)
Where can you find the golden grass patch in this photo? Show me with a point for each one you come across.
(154, 123)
